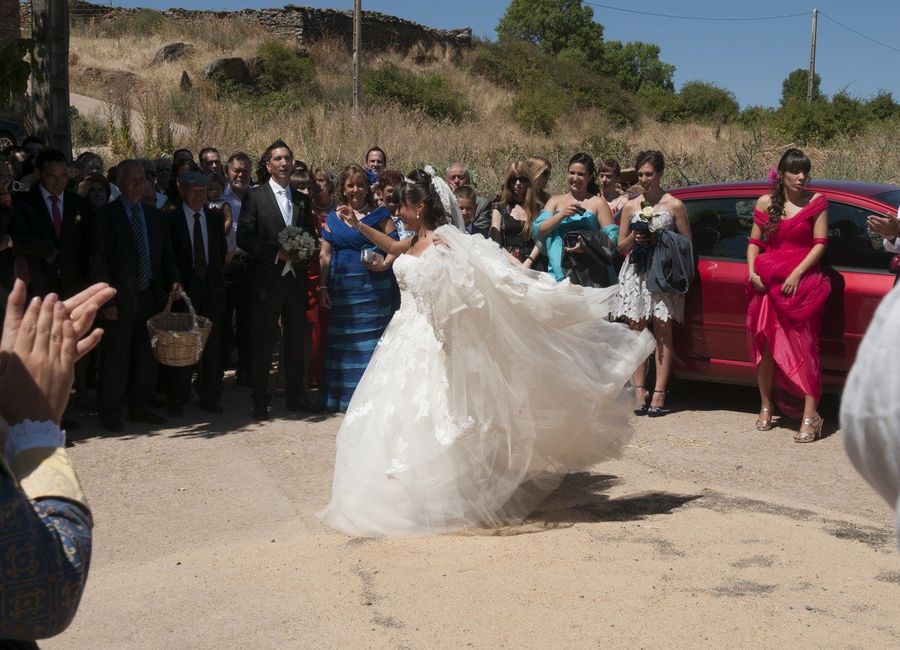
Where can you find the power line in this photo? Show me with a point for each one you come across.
(868, 38)
(703, 18)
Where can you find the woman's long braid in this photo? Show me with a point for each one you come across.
(776, 208)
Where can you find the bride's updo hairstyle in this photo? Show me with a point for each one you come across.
(417, 188)
(793, 161)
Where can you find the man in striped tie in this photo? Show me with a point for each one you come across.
(132, 251)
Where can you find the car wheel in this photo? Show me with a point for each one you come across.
(7, 139)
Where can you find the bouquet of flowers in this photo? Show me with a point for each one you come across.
(299, 245)
(646, 215)
(642, 251)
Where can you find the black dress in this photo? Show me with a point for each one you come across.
(511, 235)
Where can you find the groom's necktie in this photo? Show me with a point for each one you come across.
(285, 204)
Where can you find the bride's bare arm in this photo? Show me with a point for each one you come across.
(384, 241)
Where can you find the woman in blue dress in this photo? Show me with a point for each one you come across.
(578, 209)
(359, 294)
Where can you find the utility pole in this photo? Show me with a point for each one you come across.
(50, 81)
(812, 60)
(357, 39)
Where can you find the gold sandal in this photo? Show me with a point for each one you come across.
(810, 436)
(764, 424)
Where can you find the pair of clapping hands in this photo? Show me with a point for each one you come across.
(39, 347)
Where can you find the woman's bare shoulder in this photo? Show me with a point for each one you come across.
(554, 202)
(673, 202)
(763, 202)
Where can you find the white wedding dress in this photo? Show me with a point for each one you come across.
(489, 385)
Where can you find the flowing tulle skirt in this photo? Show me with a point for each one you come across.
(488, 386)
(788, 326)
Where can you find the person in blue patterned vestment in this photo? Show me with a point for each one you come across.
(45, 522)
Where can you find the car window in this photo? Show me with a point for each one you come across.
(720, 227)
(850, 242)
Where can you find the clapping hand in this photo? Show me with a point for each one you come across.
(39, 348)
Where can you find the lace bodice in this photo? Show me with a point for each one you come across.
(404, 271)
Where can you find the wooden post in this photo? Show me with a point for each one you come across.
(50, 76)
(9, 36)
(357, 39)
(810, 82)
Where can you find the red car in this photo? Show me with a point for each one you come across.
(712, 345)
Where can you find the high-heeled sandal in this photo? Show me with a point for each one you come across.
(642, 410)
(658, 411)
(810, 436)
(764, 424)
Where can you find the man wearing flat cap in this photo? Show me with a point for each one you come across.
(132, 251)
(198, 241)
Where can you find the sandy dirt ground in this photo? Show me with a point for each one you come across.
(706, 534)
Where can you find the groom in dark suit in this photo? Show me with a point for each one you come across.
(265, 212)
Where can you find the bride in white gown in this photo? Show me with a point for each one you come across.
(489, 385)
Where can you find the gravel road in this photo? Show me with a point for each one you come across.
(706, 534)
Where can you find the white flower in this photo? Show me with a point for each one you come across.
(647, 212)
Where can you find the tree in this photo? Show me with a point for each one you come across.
(795, 85)
(563, 28)
(636, 65)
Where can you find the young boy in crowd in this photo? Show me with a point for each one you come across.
(466, 198)
(390, 179)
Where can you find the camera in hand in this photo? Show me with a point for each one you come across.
(580, 209)
(369, 256)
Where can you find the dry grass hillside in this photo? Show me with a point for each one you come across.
(113, 63)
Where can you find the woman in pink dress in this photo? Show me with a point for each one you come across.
(318, 316)
(788, 294)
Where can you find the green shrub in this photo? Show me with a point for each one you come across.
(707, 103)
(281, 67)
(755, 117)
(432, 93)
(87, 131)
(519, 64)
(536, 112)
(284, 79)
(601, 146)
(848, 114)
(659, 104)
(803, 123)
(881, 106)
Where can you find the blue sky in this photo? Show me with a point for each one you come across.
(749, 58)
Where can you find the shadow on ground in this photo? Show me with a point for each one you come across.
(580, 499)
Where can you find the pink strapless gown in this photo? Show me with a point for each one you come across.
(789, 325)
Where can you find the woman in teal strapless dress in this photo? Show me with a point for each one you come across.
(579, 209)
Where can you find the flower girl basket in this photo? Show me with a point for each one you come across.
(178, 338)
